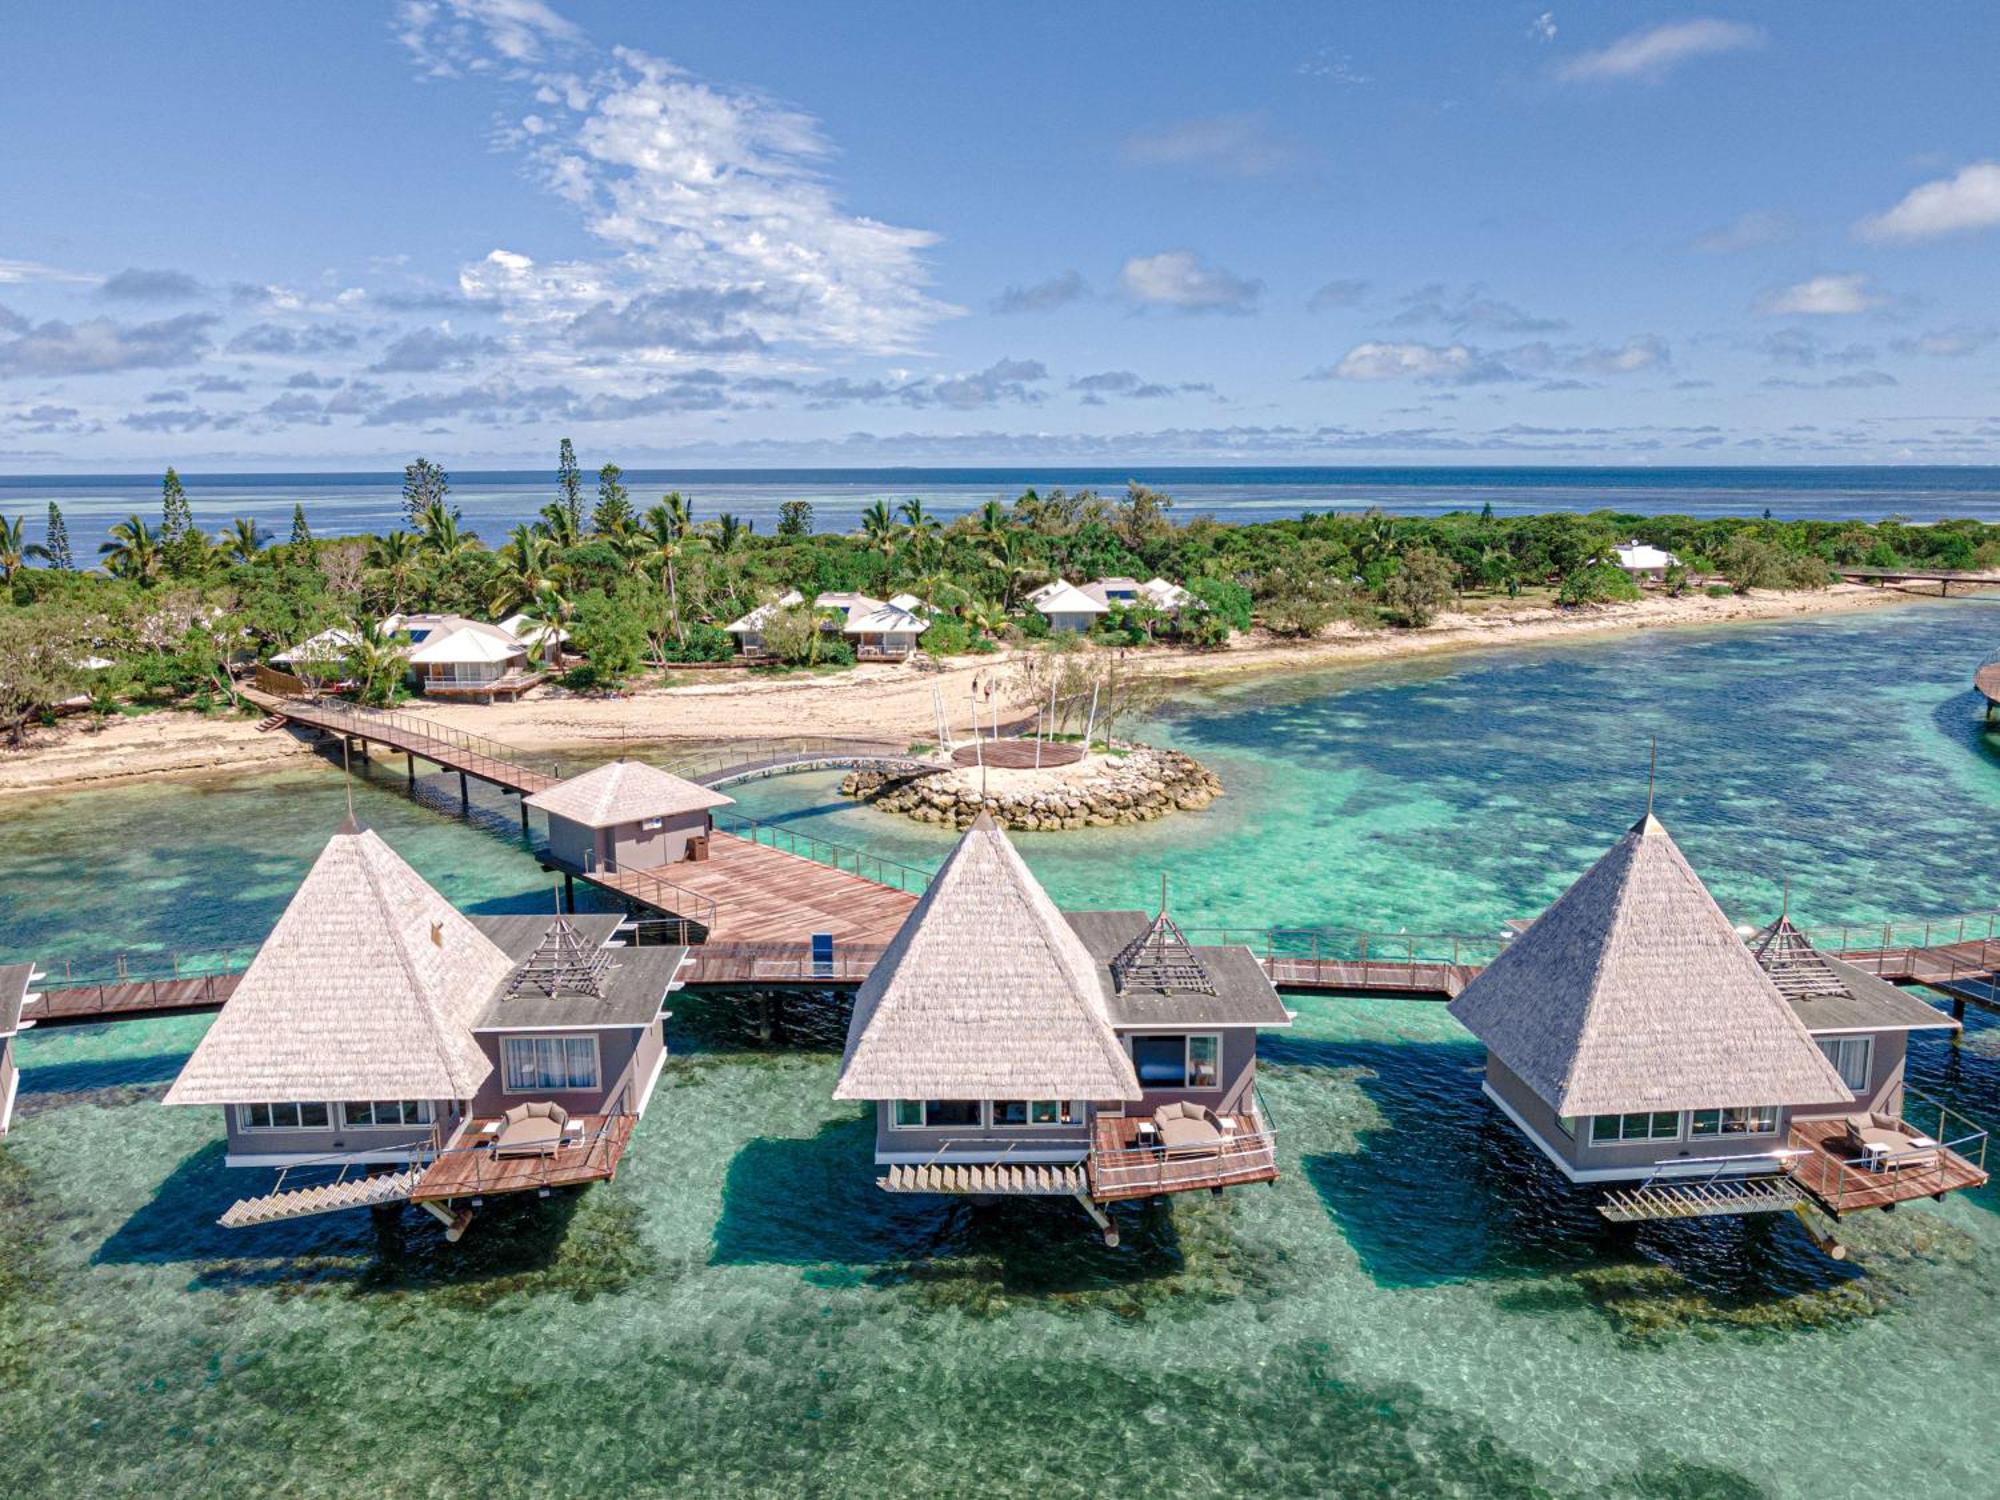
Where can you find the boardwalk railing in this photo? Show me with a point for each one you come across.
(647, 885)
(860, 862)
(745, 758)
(1856, 940)
(404, 731)
(751, 963)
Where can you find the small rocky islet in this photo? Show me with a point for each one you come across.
(1132, 784)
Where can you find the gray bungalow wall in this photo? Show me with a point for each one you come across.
(627, 1059)
(1238, 1071)
(1885, 1075)
(251, 1148)
(631, 846)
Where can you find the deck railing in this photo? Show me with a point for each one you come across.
(588, 1152)
(743, 757)
(648, 885)
(1858, 940)
(748, 963)
(860, 862)
(1163, 1168)
(1844, 1182)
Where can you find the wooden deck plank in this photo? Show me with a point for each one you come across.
(1844, 1189)
(1121, 1169)
(468, 1168)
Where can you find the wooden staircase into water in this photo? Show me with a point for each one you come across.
(1707, 1199)
(327, 1198)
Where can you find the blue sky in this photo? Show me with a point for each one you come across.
(254, 237)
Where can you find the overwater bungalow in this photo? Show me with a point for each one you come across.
(627, 815)
(1010, 1049)
(1638, 1043)
(383, 1048)
(14, 995)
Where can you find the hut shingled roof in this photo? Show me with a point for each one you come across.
(985, 993)
(625, 791)
(367, 988)
(1633, 992)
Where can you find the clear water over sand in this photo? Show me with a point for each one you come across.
(1418, 1307)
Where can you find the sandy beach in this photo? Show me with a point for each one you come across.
(872, 699)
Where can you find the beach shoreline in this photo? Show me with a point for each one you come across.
(872, 699)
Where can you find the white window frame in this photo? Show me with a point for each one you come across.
(1867, 1059)
(297, 1105)
(924, 1110)
(1648, 1139)
(1188, 1038)
(651, 825)
(1719, 1134)
(1066, 1114)
(896, 1124)
(426, 1111)
(565, 1037)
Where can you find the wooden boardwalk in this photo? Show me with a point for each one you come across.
(116, 1000)
(452, 749)
(746, 892)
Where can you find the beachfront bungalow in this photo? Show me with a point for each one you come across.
(461, 658)
(627, 815)
(1067, 607)
(1634, 1038)
(534, 634)
(1009, 1049)
(1168, 598)
(381, 1033)
(887, 632)
(326, 652)
(909, 602)
(14, 995)
(749, 631)
(1643, 562)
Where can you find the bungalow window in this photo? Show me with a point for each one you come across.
(1178, 1062)
(1853, 1057)
(377, 1113)
(1755, 1119)
(1646, 1125)
(649, 824)
(1031, 1112)
(284, 1117)
(534, 1063)
(934, 1114)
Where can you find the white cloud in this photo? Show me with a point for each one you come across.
(98, 346)
(1465, 364)
(17, 271)
(704, 197)
(1452, 364)
(1543, 27)
(1947, 343)
(1233, 145)
(1822, 296)
(1654, 52)
(1967, 200)
(1181, 279)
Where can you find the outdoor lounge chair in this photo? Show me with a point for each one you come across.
(1187, 1129)
(531, 1130)
(1906, 1148)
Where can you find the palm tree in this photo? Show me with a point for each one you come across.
(920, 526)
(993, 522)
(878, 529)
(666, 536)
(241, 540)
(133, 553)
(1016, 565)
(377, 660)
(14, 551)
(442, 539)
(527, 566)
(551, 610)
(730, 532)
(559, 525)
(939, 590)
(394, 558)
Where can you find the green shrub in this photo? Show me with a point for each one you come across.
(1596, 583)
(1718, 591)
(705, 642)
(1221, 598)
(1420, 587)
(947, 637)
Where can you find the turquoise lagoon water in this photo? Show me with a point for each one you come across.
(1417, 1308)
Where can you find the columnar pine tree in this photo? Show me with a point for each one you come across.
(613, 515)
(181, 546)
(569, 480)
(56, 545)
(795, 519)
(424, 484)
(301, 533)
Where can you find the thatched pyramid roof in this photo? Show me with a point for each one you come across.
(1633, 992)
(985, 993)
(625, 791)
(367, 988)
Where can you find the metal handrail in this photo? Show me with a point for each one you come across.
(1861, 1176)
(1338, 945)
(887, 871)
(392, 721)
(1128, 1166)
(565, 1154)
(659, 891)
(748, 754)
(119, 968)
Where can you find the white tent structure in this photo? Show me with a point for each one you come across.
(1067, 607)
(887, 630)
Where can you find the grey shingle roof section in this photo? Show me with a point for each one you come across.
(1243, 994)
(634, 986)
(1867, 1002)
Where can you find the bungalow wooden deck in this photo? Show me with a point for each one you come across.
(1839, 1186)
(1122, 1166)
(468, 1168)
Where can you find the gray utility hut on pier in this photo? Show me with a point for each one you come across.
(1634, 1038)
(1009, 1048)
(627, 815)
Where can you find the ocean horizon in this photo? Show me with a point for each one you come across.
(495, 500)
